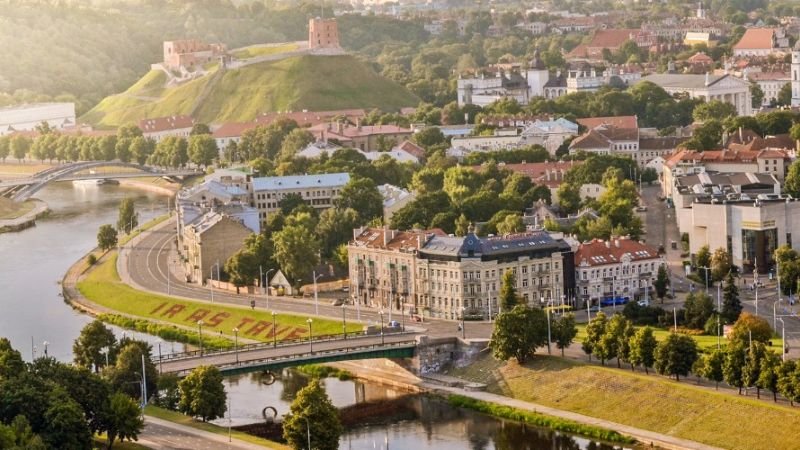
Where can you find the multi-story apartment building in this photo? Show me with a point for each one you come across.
(319, 191)
(208, 242)
(618, 267)
(159, 128)
(447, 277)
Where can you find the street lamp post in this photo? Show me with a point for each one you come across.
(380, 313)
(159, 356)
(210, 280)
(547, 311)
(236, 344)
(45, 344)
(316, 300)
(707, 269)
(310, 336)
(775, 312)
(344, 321)
(274, 331)
(783, 339)
(463, 323)
(403, 313)
(265, 286)
(200, 332)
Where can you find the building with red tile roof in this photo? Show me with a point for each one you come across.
(231, 132)
(312, 118)
(761, 42)
(160, 127)
(611, 39)
(362, 137)
(618, 267)
(616, 121)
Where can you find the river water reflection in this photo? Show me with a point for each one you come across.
(405, 421)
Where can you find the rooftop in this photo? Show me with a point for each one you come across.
(599, 252)
(324, 180)
(616, 121)
(756, 38)
(159, 124)
(687, 81)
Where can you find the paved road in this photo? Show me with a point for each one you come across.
(163, 435)
(144, 264)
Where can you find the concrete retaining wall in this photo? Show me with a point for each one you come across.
(435, 354)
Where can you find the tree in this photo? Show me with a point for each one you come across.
(125, 419)
(91, 346)
(595, 331)
(733, 366)
(720, 264)
(202, 149)
(361, 194)
(312, 417)
(295, 141)
(788, 385)
(770, 372)
(662, 282)
(202, 394)
(649, 175)
(792, 182)
(66, 427)
(518, 332)
(429, 136)
(715, 109)
(126, 373)
(296, 251)
(698, 307)
(335, 227)
(242, 268)
(19, 146)
(5, 147)
(785, 95)
(508, 292)
(731, 306)
(608, 346)
(750, 327)
(757, 94)
(676, 355)
(199, 129)
(569, 197)
(11, 363)
(752, 366)
(711, 368)
(106, 237)
(462, 225)
(128, 218)
(512, 223)
(703, 259)
(564, 331)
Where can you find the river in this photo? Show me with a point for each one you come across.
(32, 312)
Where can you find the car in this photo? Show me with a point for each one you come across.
(643, 302)
(346, 289)
(338, 302)
(594, 308)
(641, 208)
(394, 324)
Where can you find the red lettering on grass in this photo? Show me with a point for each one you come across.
(158, 309)
(244, 322)
(258, 328)
(198, 315)
(218, 318)
(174, 309)
(296, 333)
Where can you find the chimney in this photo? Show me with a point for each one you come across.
(741, 138)
(385, 233)
(419, 240)
(616, 242)
(358, 124)
(608, 244)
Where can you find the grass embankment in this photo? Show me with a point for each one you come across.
(264, 50)
(704, 342)
(539, 420)
(181, 419)
(317, 83)
(642, 401)
(16, 170)
(103, 286)
(9, 209)
(100, 442)
(320, 371)
(144, 227)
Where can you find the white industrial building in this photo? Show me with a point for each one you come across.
(28, 117)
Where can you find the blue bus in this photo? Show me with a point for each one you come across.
(611, 301)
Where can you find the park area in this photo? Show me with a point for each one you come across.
(651, 402)
(102, 286)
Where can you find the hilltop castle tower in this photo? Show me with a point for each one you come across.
(323, 33)
(796, 75)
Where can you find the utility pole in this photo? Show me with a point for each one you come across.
(144, 384)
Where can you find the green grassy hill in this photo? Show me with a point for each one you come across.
(304, 82)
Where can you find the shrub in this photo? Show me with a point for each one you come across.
(320, 371)
(167, 332)
(642, 315)
(91, 259)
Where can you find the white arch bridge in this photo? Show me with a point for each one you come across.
(21, 189)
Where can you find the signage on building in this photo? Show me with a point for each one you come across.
(753, 225)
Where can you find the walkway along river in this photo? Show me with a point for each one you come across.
(32, 312)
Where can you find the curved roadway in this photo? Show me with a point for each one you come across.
(146, 264)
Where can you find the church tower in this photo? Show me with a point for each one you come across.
(537, 76)
(796, 75)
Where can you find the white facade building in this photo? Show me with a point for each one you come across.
(795, 75)
(725, 88)
(28, 117)
(318, 191)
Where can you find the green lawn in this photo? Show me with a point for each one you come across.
(9, 209)
(103, 286)
(101, 442)
(181, 419)
(316, 83)
(648, 402)
(252, 52)
(705, 342)
(144, 227)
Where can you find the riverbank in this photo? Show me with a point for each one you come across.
(19, 216)
(690, 416)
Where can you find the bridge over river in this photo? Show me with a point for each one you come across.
(21, 189)
(269, 356)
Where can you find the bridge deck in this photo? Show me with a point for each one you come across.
(288, 355)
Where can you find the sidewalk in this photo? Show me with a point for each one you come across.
(649, 438)
(162, 434)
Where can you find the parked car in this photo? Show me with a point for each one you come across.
(643, 302)
(338, 302)
(346, 289)
(641, 208)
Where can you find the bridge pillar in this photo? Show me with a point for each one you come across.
(433, 354)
